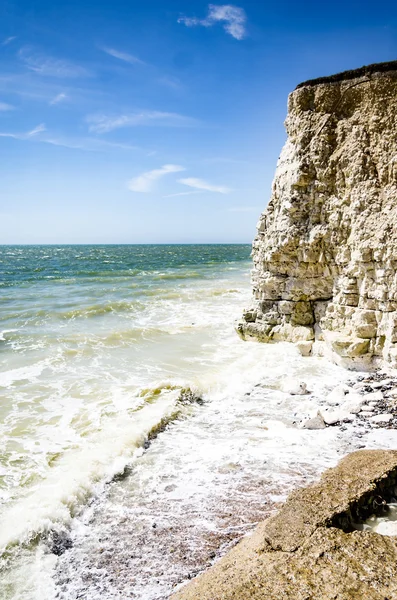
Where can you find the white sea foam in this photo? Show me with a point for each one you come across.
(80, 395)
(54, 500)
(231, 429)
(29, 373)
(233, 368)
(233, 458)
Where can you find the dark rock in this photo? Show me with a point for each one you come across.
(187, 396)
(59, 542)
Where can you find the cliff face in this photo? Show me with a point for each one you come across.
(325, 254)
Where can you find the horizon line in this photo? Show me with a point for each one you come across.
(131, 244)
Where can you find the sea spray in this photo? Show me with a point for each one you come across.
(84, 395)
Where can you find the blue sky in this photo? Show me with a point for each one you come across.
(159, 121)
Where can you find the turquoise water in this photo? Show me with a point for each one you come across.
(27, 264)
(95, 345)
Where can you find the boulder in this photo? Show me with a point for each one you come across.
(382, 418)
(294, 387)
(316, 422)
(379, 384)
(311, 550)
(374, 397)
(353, 403)
(338, 395)
(331, 417)
(305, 348)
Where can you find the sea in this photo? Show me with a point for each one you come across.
(140, 437)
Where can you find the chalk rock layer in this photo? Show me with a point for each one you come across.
(325, 254)
(311, 548)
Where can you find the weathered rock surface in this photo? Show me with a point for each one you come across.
(310, 549)
(325, 255)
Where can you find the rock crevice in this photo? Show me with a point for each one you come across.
(310, 548)
(325, 254)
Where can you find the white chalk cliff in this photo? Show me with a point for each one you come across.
(325, 254)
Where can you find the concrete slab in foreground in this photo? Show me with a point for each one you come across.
(310, 549)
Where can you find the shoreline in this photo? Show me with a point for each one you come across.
(317, 545)
(372, 396)
(210, 476)
(151, 523)
(174, 547)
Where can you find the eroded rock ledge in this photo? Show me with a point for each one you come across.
(325, 255)
(310, 549)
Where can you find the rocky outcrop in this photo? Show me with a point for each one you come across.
(325, 254)
(312, 548)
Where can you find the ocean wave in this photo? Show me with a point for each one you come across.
(162, 294)
(177, 275)
(4, 333)
(29, 373)
(78, 475)
(73, 344)
(223, 292)
(97, 310)
(37, 316)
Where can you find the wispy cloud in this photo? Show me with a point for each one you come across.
(39, 129)
(125, 56)
(104, 123)
(51, 67)
(170, 82)
(144, 182)
(4, 107)
(8, 40)
(182, 194)
(201, 184)
(58, 98)
(27, 84)
(15, 136)
(87, 144)
(232, 18)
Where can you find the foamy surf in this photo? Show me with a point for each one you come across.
(93, 370)
(83, 334)
(75, 477)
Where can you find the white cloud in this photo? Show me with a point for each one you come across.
(4, 107)
(182, 194)
(87, 144)
(39, 129)
(104, 123)
(28, 85)
(8, 40)
(51, 67)
(58, 98)
(233, 19)
(144, 182)
(171, 82)
(129, 58)
(201, 184)
(15, 136)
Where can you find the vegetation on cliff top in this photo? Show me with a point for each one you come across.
(352, 74)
